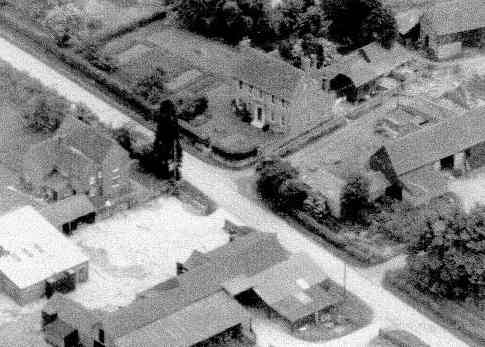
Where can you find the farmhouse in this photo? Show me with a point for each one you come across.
(78, 159)
(35, 258)
(420, 163)
(446, 26)
(357, 74)
(278, 95)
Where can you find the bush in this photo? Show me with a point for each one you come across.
(355, 198)
(151, 88)
(100, 61)
(189, 108)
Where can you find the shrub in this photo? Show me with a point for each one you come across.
(101, 61)
(189, 108)
(151, 88)
(241, 111)
(355, 198)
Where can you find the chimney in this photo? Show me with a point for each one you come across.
(306, 64)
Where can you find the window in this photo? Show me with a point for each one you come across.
(283, 120)
(92, 180)
(260, 94)
(273, 99)
(241, 84)
(283, 102)
(251, 89)
(272, 116)
(83, 274)
(100, 174)
(101, 335)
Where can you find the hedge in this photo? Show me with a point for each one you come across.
(401, 338)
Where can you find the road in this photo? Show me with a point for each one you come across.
(218, 185)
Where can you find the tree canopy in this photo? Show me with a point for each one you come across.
(447, 252)
(355, 23)
(355, 198)
(230, 20)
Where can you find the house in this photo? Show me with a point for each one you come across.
(419, 164)
(357, 74)
(35, 258)
(277, 95)
(446, 26)
(78, 159)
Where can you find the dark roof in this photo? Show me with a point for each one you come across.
(437, 141)
(246, 255)
(68, 209)
(455, 16)
(192, 324)
(59, 328)
(368, 63)
(86, 139)
(274, 76)
(197, 258)
(71, 312)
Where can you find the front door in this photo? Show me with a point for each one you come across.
(258, 120)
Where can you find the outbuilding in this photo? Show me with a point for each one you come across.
(35, 256)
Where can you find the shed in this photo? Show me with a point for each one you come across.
(66, 214)
(34, 252)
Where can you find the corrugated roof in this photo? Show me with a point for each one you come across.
(437, 141)
(190, 325)
(274, 76)
(37, 249)
(455, 16)
(361, 70)
(68, 209)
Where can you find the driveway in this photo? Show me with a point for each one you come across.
(218, 185)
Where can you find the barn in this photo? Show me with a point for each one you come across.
(35, 257)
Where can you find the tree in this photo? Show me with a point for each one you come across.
(151, 87)
(65, 20)
(355, 23)
(278, 183)
(355, 198)
(230, 20)
(295, 18)
(165, 156)
(447, 252)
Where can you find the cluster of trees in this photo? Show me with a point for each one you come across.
(355, 23)
(230, 20)
(447, 252)
(278, 183)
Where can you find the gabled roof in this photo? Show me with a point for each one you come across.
(68, 209)
(455, 16)
(86, 139)
(437, 141)
(368, 63)
(274, 76)
(192, 324)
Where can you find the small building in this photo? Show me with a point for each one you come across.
(78, 159)
(420, 163)
(357, 73)
(447, 26)
(278, 95)
(68, 213)
(35, 256)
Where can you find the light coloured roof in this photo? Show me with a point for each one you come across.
(406, 20)
(437, 141)
(381, 61)
(37, 250)
(455, 16)
(274, 76)
(193, 324)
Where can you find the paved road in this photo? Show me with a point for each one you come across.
(217, 184)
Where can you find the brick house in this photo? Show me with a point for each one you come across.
(78, 159)
(446, 26)
(276, 94)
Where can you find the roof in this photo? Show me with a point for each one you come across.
(86, 139)
(190, 325)
(59, 328)
(455, 16)
(197, 258)
(272, 75)
(437, 141)
(37, 249)
(291, 287)
(68, 209)
(381, 61)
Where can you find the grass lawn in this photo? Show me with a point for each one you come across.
(16, 139)
(465, 320)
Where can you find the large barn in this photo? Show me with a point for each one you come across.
(35, 256)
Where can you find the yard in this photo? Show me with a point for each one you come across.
(128, 253)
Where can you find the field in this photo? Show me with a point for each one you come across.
(128, 253)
